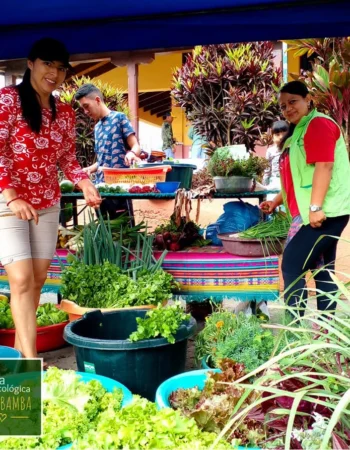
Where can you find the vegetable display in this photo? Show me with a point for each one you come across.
(46, 314)
(109, 274)
(107, 286)
(140, 425)
(212, 407)
(160, 322)
(71, 407)
(240, 338)
(276, 228)
(174, 238)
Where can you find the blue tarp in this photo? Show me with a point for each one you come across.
(93, 26)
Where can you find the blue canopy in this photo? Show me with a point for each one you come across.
(93, 26)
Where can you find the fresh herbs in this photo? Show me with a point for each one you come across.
(240, 338)
(106, 286)
(218, 326)
(160, 322)
(249, 344)
(107, 274)
(223, 164)
(46, 314)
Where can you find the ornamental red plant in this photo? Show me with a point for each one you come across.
(229, 91)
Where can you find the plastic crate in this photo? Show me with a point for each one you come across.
(147, 175)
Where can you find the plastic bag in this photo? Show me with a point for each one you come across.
(237, 217)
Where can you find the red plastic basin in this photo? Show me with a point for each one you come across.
(48, 338)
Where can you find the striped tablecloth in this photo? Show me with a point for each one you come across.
(202, 273)
(211, 272)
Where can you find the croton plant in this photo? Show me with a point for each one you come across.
(228, 91)
(329, 79)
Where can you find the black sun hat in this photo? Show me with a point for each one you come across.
(49, 49)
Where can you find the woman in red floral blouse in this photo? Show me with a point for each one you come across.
(37, 133)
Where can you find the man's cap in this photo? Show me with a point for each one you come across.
(168, 114)
(49, 49)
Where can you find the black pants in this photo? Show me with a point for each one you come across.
(114, 207)
(297, 259)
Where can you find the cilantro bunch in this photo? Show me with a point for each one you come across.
(160, 322)
(106, 286)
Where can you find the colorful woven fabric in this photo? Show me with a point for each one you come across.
(203, 273)
(211, 272)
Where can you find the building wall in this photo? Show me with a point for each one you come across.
(156, 76)
(293, 64)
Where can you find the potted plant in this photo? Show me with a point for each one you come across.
(237, 337)
(232, 175)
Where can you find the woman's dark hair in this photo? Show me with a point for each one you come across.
(295, 88)
(279, 126)
(31, 108)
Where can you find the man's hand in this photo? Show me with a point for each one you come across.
(316, 218)
(24, 210)
(130, 157)
(91, 194)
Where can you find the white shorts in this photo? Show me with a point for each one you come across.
(22, 239)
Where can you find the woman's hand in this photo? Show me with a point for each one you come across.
(268, 207)
(91, 194)
(24, 210)
(317, 218)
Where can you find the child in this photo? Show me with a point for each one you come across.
(272, 173)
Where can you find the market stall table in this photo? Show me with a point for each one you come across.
(75, 196)
(202, 273)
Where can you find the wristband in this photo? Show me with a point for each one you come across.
(8, 203)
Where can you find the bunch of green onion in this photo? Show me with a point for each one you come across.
(275, 228)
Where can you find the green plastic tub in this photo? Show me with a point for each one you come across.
(179, 172)
(101, 346)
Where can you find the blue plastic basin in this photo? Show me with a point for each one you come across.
(185, 380)
(9, 352)
(168, 187)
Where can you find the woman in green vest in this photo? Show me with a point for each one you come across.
(315, 179)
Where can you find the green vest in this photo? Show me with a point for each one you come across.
(337, 200)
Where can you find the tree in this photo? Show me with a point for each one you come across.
(229, 91)
(114, 99)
